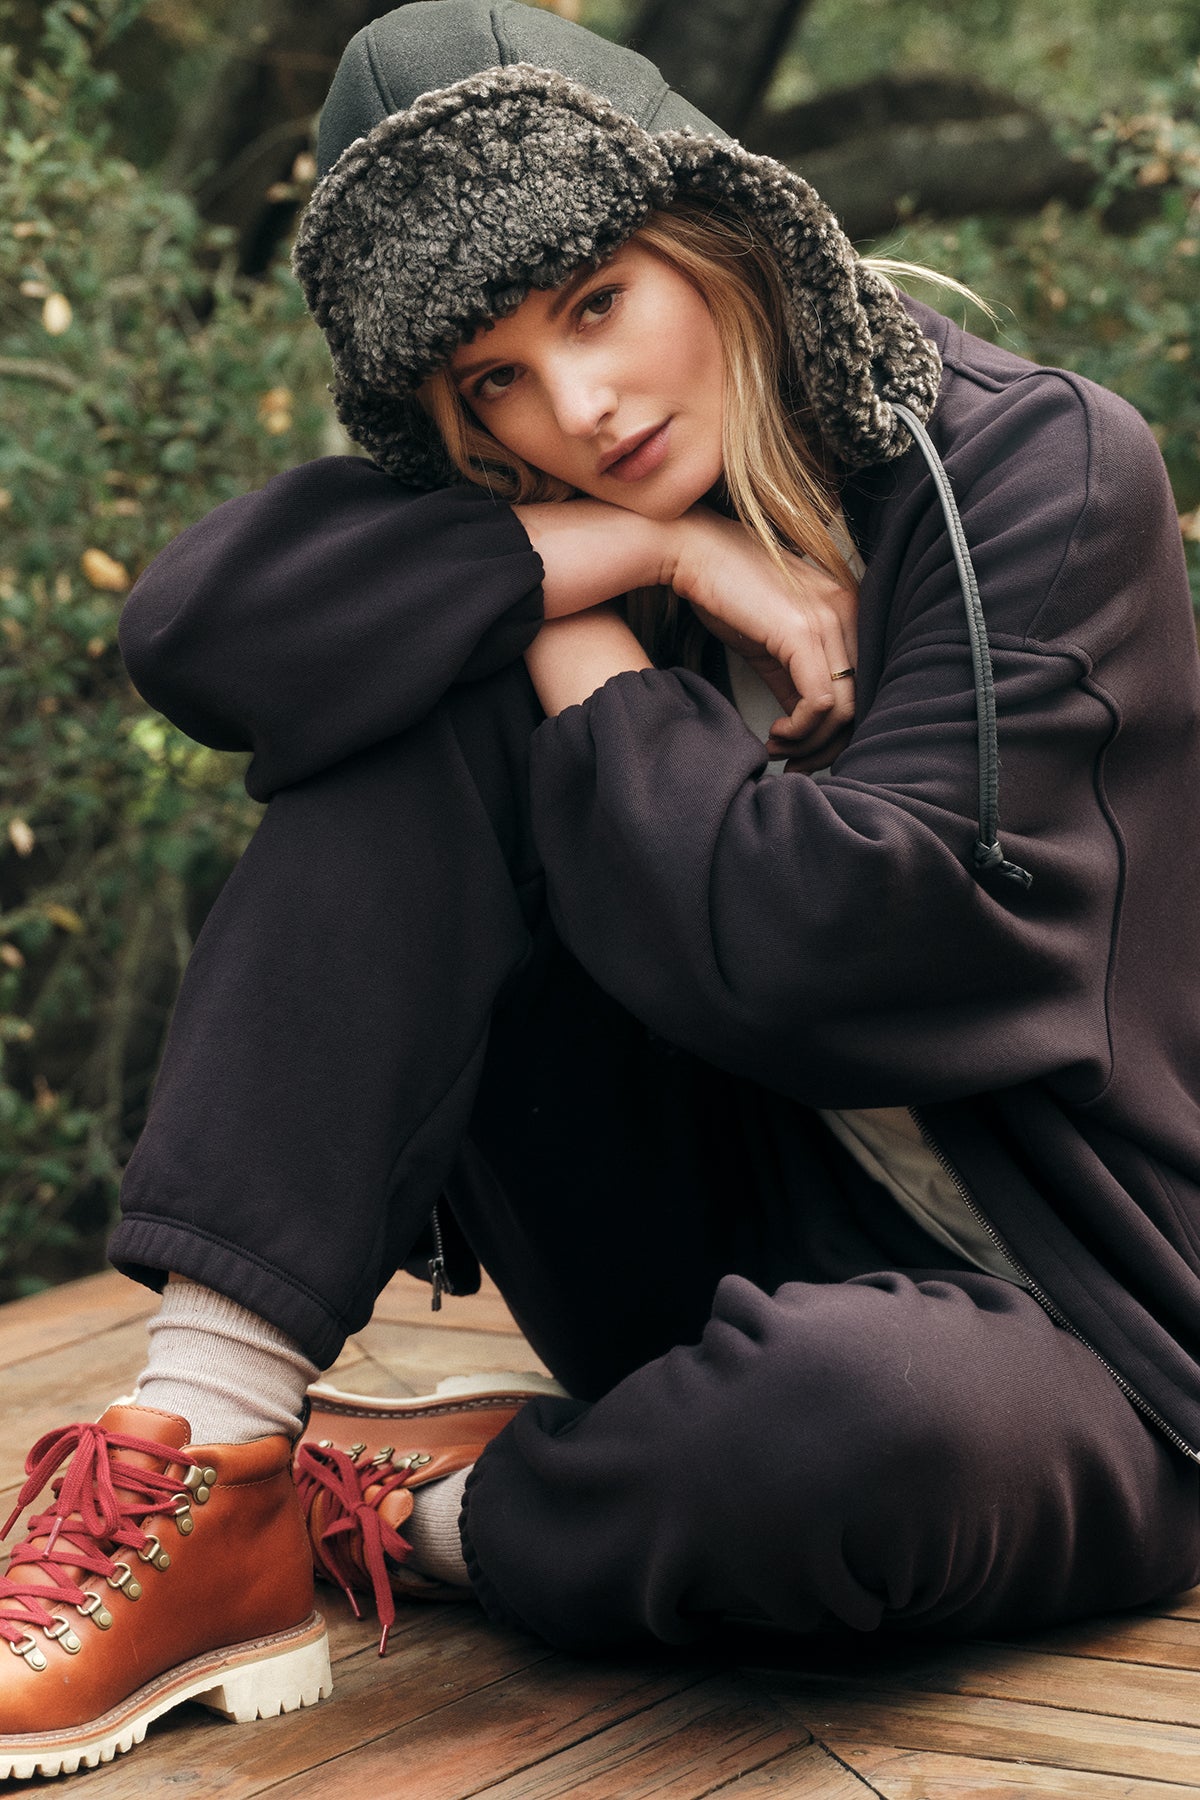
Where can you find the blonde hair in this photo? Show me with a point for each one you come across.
(778, 478)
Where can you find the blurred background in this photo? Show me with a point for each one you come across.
(155, 359)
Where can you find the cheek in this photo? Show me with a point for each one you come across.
(521, 429)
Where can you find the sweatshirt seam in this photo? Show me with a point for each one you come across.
(1085, 504)
(1118, 905)
(1178, 1211)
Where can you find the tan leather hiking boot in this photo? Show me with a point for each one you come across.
(162, 1571)
(360, 1459)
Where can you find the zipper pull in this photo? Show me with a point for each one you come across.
(437, 1279)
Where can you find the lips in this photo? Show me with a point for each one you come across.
(637, 455)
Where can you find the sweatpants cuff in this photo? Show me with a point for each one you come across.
(493, 1604)
(148, 1249)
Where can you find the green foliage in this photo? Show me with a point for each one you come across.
(141, 383)
(1121, 307)
(1069, 59)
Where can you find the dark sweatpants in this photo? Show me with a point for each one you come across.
(791, 1404)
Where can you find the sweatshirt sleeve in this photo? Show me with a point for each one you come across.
(327, 611)
(829, 937)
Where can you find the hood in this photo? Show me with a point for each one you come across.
(475, 149)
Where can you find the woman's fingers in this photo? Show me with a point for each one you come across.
(809, 762)
(818, 665)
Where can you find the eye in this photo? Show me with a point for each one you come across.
(600, 303)
(495, 382)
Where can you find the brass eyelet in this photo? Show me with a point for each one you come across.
(27, 1647)
(356, 1451)
(60, 1633)
(93, 1608)
(199, 1483)
(153, 1552)
(125, 1581)
(383, 1456)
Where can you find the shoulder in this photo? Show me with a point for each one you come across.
(1055, 472)
(995, 406)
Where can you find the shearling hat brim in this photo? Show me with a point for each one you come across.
(446, 215)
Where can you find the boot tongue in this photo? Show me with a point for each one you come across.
(395, 1509)
(141, 1421)
(126, 1421)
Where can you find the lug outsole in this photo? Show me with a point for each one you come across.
(251, 1681)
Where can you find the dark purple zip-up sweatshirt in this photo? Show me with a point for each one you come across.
(830, 937)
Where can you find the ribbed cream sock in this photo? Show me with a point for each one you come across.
(230, 1374)
(433, 1529)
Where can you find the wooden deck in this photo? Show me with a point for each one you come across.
(1106, 1712)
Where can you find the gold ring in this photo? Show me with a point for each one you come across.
(842, 674)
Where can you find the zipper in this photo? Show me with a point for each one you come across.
(439, 1280)
(1039, 1294)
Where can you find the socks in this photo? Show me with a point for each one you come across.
(232, 1376)
(433, 1529)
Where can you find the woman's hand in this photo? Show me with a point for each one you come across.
(797, 631)
(797, 634)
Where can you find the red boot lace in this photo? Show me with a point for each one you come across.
(87, 1515)
(352, 1522)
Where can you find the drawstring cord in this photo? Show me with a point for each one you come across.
(325, 1473)
(989, 857)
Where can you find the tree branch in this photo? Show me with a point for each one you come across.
(24, 368)
(943, 146)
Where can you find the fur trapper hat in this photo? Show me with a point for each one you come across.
(450, 209)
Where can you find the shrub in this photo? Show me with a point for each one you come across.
(141, 383)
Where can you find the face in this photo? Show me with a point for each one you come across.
(613, 383)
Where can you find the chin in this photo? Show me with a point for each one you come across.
(676, 497)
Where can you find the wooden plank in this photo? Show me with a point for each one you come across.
(922, 1775)
(1080, 1684)
(1181, 1606)
(75, 1382)
(807, 1773)
(405, 1301)
(844, 1715)
(680, 1749)
(74, 1313)
(1163, 1643)
(493, 1733)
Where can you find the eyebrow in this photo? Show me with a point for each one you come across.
(562, 298)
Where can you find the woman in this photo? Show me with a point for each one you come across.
(841, 1160)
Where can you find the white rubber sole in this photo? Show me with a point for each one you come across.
(494, 1385)
(257, 1680)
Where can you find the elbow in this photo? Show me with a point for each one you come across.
(154, 651)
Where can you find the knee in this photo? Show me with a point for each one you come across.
(835, 1408)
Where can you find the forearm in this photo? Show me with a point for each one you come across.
(592, 552)
(571, 657)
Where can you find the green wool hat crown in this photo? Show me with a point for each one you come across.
(442, 209)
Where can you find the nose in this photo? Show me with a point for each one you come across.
(582, 398)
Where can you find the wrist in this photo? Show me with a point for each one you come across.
(571, 657)
(592, 552)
